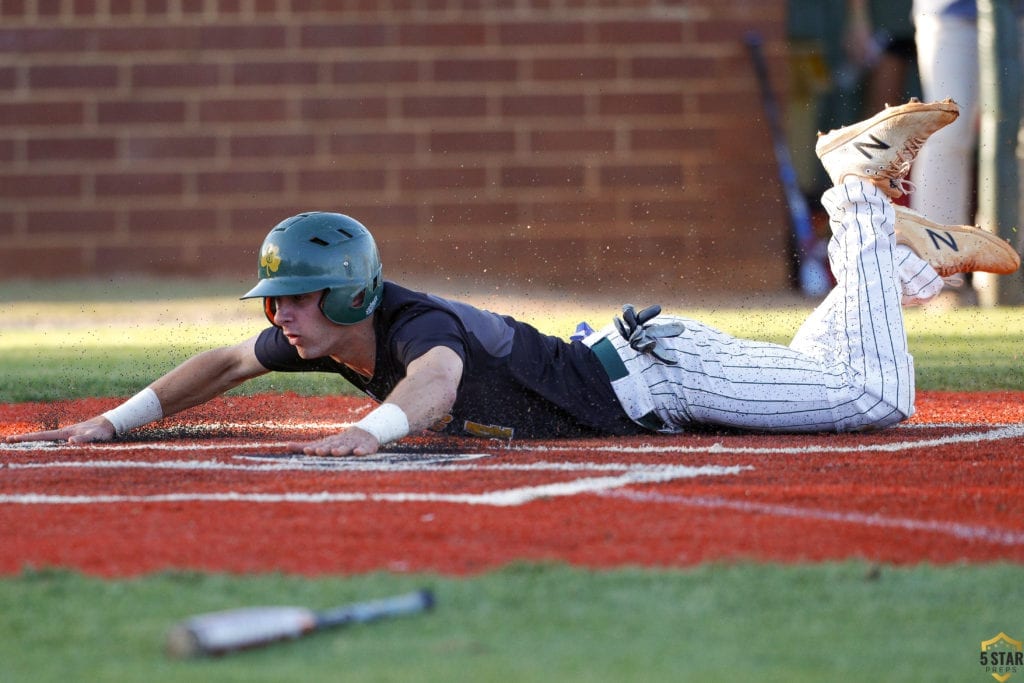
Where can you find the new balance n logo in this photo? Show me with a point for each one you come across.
(945, 238)
(876, 144)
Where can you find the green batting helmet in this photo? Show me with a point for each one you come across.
(327, 252)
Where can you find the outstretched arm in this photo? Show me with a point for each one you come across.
(424, 396)
(195, 381)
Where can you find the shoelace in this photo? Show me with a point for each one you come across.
(898, 170)
(646, 338)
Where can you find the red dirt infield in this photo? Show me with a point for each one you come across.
(212, 489)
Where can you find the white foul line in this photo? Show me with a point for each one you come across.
(966, 532)
(1006, 432)
(505, 498)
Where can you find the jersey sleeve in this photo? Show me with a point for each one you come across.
(425, 332)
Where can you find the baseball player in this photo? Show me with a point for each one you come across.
(437, 364)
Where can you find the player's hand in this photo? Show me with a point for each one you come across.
(95, 429)
(352, 441)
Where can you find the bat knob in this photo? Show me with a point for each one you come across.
(182, 643)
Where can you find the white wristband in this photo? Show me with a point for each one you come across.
(386, 423)
(142, 408)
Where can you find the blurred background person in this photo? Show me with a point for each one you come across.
(880, 51)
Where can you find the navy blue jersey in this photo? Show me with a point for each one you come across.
(516, 382)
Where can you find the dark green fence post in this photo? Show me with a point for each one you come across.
(998, 172)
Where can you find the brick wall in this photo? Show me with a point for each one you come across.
(589, 144)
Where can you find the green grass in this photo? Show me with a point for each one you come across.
(54, 345)
(741, 622)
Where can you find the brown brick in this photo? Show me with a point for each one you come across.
(157, 7)
(7, 150)
(541, 33)
(171, 147)
(44, 262)
(57, 149)
(542, 176)
(83, 8)
(36, 40)
(582, 68)
(131, 111)
(373, 143)
(479, 69)
(466, 215)
(68, 76)
(663, 139)
(640, 32)
(8, 77)
(542, 105)
(341, 180)
(228, 259)
(243, 110)
(48, 8)
(587, 214)
(19, 186)
(346, 35)
(141, 257)
(444, 106)
(437, 34)
(235, 182)
(623, 175)
(175, 75)
(275, 73)
(575, 140)
(320, 108)
(12, 8)
(146, 222)
(469, 141)
(641, 104)
(299, 144)
(440, 178)
(136, 184)
(79, 222)
(671, 67)
(147, 39)
(375, 71)
(7, 223)
(42, 113)
(242, 37)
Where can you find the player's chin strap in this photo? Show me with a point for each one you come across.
(646, 338)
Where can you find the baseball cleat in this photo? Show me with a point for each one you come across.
(882, 148)
(951, 249)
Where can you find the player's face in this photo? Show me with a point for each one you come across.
(304, 324)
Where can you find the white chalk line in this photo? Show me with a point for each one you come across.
(343, 465)
(958, 530)
(996, 433)
(502, 498)
(999, 434)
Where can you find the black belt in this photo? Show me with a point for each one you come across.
(616, 369)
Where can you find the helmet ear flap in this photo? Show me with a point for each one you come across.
(270, 309)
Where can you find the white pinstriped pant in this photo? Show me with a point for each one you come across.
(847, 369)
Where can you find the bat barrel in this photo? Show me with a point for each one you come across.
(238, 629)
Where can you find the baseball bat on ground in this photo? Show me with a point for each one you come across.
(812, 276)
(219, 633)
